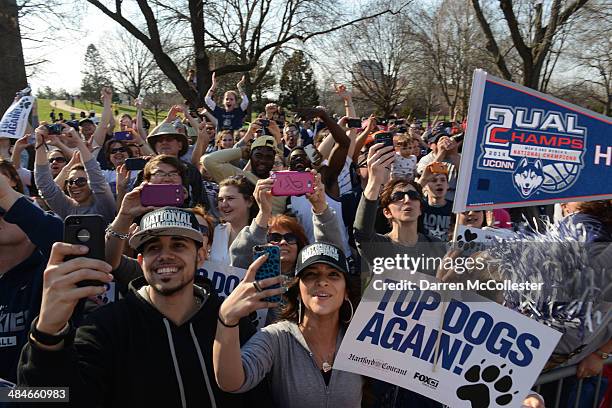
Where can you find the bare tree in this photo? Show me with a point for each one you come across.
(267, 25)
(133, 67)
(531, 37)
(446, 34)
(377, 59)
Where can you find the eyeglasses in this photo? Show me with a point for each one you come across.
(162, 174)
(118, 150)
(57, 159)
(399, 195)
(275, 237)
(79, 181)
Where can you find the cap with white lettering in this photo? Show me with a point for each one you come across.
(167, 221)
(321, 252)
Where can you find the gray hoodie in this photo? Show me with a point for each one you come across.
(281, 352)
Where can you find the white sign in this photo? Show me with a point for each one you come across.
(15, 119)
(487, 355)
(224, 280)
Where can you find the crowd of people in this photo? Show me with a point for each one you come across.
(156, 331)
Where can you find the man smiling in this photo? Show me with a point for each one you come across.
(167, 314)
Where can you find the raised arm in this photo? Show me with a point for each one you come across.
(201, 144)
(244, 104)
(100, 134)
(18, 148)
(208, 98)
(228, 364)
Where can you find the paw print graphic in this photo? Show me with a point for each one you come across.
(479, 393)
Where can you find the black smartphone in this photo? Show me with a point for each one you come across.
(135, 163)
(353, 123)
(87, 230)
(458, 137)
(382, 121)
(386, 138)
(264, 122)
(270, 268)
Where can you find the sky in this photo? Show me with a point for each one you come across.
(66, 52)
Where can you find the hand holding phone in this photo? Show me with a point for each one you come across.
(162, 195)
(353, 123)
(87, 230)
(386, 138)
(292, 183)
(271, 267)
(124, 135)
(135, 163)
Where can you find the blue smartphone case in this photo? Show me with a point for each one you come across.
(271, 268)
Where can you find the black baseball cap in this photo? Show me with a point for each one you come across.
(86, 120)
(321, 252)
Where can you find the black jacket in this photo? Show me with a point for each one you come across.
(127, 354)
(21, 287)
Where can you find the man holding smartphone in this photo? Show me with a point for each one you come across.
(158, 338)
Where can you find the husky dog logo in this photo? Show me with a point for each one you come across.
(528, 177)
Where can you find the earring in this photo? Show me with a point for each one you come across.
(352, 311)
(299, 310)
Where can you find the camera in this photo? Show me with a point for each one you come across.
(54, 129)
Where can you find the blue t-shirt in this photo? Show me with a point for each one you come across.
(228, 120)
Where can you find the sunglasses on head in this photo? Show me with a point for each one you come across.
(275, 237)
(399, 195)
(118, 150)
(79, 181)
(57, 159)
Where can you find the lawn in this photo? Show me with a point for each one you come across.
(44, 109)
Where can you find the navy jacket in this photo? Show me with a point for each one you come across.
(21, 287)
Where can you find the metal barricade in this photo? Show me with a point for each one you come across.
(558, 374)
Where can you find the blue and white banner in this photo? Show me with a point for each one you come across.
(453, 347)
(15, 119)
(524, 148)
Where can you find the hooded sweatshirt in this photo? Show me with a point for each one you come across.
(128, 354)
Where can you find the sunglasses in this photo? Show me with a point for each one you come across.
(57, 159)
(79, 181)
(118, 150)
(275, 237)
(399, 195)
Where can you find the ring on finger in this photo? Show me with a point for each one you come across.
(257, 286)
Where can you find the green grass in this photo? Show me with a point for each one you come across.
(44, 109)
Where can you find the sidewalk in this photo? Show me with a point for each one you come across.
(58, 104)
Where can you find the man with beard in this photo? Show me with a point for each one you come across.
(153, 347)
(262, 153)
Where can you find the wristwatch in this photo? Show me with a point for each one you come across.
(48, 339)
(602, 354)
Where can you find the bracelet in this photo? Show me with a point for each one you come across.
(322, 212)
(226, 325)
(113, 233)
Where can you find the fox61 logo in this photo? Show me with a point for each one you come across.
(544, 150)
(427, 381)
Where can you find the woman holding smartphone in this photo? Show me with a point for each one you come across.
(297, 354)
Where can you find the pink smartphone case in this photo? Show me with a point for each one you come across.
(292, 183)
(161, 195)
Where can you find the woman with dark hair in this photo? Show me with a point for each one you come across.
(116, 152)
(283, 230)
(295, 355)
(237, 208)
(85, 191)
